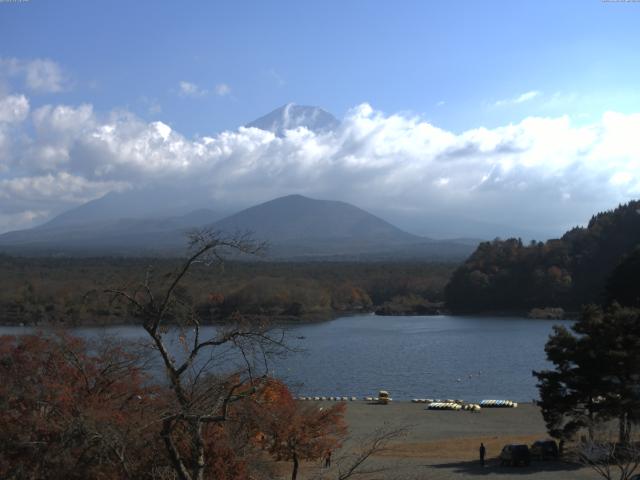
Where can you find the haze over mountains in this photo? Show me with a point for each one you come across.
(153, 219)
(295, 227)
(365, 159)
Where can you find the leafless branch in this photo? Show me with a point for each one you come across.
(354, 463)
(610, 460)
(200, 399)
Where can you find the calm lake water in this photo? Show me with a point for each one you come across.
(469, 358)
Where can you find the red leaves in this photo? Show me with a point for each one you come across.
(294, 431)
(64, 411)
(75, 411)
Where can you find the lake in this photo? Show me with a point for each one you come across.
(461, 357)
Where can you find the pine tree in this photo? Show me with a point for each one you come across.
(597, 373)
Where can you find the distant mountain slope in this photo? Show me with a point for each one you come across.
(567, 272)
(160, 201)
(122, 236)
(298, 218)
(296, 228)
(291, 116)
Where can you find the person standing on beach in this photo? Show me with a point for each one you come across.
(483, 452)
(327, 459)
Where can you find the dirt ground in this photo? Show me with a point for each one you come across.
(443, 445)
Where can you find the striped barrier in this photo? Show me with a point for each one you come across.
(444, 406)
(498, 404)
(329, 399)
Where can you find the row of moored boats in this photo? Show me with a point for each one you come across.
(332, 399)
(432, 404)
(460, 405)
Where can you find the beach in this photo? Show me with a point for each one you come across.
(443, 445)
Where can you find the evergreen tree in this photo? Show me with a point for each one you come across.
(597, 373)
(567, 272)
(623, 286)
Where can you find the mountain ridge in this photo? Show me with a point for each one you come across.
(272, 220)
(295, 226)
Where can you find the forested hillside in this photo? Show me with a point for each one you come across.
(566, 272)
(71, 291)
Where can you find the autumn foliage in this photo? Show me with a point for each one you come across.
(293, 431)
(68, 413)
(73, 410)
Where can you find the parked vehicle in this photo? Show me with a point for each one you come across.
(544, 450)
(515, 455)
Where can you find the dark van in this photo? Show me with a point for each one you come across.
(545, 449)
(515, 455)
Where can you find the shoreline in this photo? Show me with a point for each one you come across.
(286, 319)
(443, 445)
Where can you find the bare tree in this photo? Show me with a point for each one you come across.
(199, 398)
(611, 460)
(357, 461)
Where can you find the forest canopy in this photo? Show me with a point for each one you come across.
(567, 272)
(67, 291)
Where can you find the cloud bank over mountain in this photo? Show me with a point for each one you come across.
(541, 173)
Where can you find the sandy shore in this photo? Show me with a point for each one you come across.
(444, 444)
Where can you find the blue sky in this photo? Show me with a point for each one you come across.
(523, 114)
(398, 56)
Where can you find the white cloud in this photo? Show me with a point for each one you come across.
(188, 89)
(538, 172)
(222, 89)
(20, 220)
(44, 76)
(522, 98)
(13, 109)
(57, 128)
(62, 186)
(525, 97)
(62, 121)
(40, 75)
(24, 200)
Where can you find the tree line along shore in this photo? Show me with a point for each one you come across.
(593, 264)
(70, 291)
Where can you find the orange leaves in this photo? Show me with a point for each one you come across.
(76, 411)
(65, 410)
(291, 429)
(226, 462)
(274, 393)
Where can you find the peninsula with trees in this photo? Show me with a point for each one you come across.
(591, 264)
